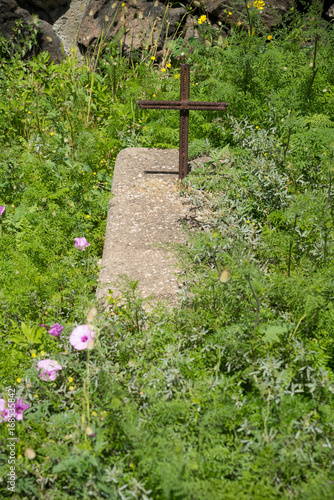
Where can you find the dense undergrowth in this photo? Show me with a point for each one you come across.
(229, 395)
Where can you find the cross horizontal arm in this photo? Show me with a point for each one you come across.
(189, 105)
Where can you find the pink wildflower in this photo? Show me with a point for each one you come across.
(3, 411)
(48, 369)
(56, 330)
(81, 243)
(81, 337)
(2, 209)
(20, 407)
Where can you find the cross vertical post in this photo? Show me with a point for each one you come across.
(184, 121)
(184, 105)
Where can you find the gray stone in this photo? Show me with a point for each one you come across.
(66, 24)
(144, 217)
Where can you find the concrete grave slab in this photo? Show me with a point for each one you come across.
(144, 217)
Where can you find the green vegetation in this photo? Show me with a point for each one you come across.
(229, 395)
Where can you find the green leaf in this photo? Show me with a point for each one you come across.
(18, 339)
(272, 333)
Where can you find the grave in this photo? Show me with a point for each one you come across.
(146, 211)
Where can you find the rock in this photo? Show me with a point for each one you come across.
(143, 24)
(135, 23)
(271, 14)
(47, 4)
(50, 42)
(67, 24)
(10, 12)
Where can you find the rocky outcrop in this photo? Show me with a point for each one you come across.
(135, 23)
(142, 23)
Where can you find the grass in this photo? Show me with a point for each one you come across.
(230, 394)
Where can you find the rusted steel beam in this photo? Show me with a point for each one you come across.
(191, 105)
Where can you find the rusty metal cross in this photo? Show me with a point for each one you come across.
(184, 105)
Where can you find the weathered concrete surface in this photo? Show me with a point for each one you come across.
(144, 216)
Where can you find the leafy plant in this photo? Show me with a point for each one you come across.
(229, 394)
(30, 335)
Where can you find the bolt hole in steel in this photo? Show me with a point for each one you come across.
(184, 105)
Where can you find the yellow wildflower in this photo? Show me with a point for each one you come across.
(163, 69)
(269, 37)
(259, 4)
(70, 379)
(168, 65)
(152, 58)
(230, 13)
(249, 5)
(18, 380)
(202, 19)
